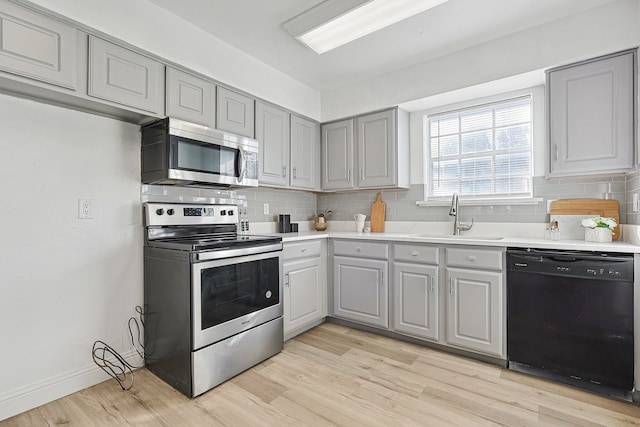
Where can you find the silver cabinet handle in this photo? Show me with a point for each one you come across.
(472, 258)
(432, 284)
(349, 175)
(303, 250)
(284, 171)
(361, 175)
(286, 280)
(295, 172)
(358, 249)
(451, 286)
(415, 253)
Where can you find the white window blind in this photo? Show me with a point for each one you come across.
(482, 152)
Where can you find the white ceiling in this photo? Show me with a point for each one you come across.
(255, 27)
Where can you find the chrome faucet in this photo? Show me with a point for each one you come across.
(457, 226)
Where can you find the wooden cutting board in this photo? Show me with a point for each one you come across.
(377, 214)
(595, 207)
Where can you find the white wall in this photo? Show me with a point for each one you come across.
(599, 31)
(147, 26)
(64, 282)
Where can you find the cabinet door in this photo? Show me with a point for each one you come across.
(235, 112)
(305, 154)
(125, 77)
(415, 299)
(376, 150)
(190, 98)
(475, 311)
(591, 117)
(360, 290)
(272, 131)
(337, 155)
(37, 47)
(304, 293)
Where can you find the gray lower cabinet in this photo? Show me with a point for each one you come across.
(415, 290)
(379, 159)
(125, 77)
(305, 288)
(273, 133)
(36, 46)
(591, 116)
(235, 112)
(475, 300)
(360, 282)
(190, 98)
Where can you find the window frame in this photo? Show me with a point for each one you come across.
(537, 125)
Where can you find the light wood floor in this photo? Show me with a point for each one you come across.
(334, 375)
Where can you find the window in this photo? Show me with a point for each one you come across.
(482, 152)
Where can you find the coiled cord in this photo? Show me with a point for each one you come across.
(110, 361)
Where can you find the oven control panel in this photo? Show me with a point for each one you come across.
(189, 214)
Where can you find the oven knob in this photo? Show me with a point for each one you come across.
(160, 211)
(170, 211)
(268, 294)
(230, 212)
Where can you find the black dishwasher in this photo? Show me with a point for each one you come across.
(570, 317)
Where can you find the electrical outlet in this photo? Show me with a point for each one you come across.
(266, 208)
(85, 208)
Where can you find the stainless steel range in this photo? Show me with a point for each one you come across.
(213, 297)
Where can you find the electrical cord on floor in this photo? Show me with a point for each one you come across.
(110, 361)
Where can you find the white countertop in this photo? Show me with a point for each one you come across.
(521, 242)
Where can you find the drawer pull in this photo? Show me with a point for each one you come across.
(358, 249)
(303, 250)
(414, 253)
(472, 258)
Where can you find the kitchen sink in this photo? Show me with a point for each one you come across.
(462, 237)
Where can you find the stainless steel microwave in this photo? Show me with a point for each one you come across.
(179, 152)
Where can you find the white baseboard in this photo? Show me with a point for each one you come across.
(19, 400)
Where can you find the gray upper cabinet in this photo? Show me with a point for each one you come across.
(272, 131)
(305, 154)
(289, 149)
(37, 47)
(376, 150)
(190, 98)
(125, 77)
(337, 155)
(591, 116)
(235, 112)
(379, 159)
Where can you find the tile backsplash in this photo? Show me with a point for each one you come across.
(401, 204)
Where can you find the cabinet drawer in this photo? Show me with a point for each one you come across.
(306, 249)
(475, 258)
(415, 253)
(361, 249)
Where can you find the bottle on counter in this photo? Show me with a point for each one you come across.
(554, 231)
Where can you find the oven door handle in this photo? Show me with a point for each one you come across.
(232, 253)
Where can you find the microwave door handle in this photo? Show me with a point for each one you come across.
(242, 164)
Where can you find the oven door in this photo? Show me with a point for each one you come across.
(232, 295)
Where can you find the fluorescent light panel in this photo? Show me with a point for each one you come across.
(365, 19)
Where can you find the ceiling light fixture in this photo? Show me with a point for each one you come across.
(333, 23)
